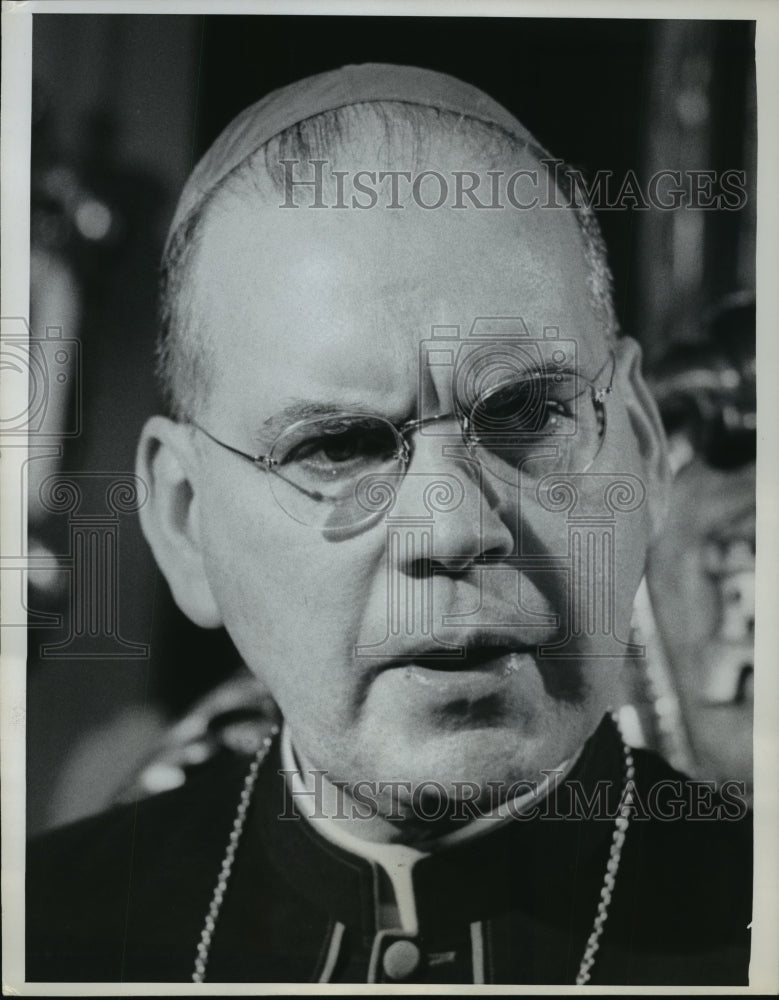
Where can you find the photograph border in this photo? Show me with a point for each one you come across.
(15, 220)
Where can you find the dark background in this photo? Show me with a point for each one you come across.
(124, 105)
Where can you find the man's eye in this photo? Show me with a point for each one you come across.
(536, 407)
(339, 449)
(342, 449)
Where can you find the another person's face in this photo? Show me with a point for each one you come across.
(701, 577)
(331, 307)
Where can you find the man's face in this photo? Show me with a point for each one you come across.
(330, 307)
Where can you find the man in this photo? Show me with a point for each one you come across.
(413, 469)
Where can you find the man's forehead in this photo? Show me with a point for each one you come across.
(385, 263)
(336, 306)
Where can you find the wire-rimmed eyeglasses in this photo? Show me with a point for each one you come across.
(344, 468)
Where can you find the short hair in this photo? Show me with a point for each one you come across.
(183, 354)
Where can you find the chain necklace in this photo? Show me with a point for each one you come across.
(593, 941)
(612, 866)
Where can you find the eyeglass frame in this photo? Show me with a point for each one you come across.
(268, 464)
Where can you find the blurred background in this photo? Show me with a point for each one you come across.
(123, 693)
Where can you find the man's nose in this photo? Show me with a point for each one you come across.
(448, 493)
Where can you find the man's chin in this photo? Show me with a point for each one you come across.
(478, 735)
(474, 763)
(442, 788)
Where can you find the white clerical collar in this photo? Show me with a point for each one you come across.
(398, 860)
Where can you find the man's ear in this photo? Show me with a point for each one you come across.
(165, 462)
(647, 427)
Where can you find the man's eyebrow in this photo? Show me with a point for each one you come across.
(303, 409)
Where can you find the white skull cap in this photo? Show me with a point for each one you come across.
(285, 107)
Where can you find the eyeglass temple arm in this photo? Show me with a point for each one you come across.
(263, 462)
(599, 393)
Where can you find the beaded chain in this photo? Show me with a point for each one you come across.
(612, 867)
(593, 942)
(203, 948)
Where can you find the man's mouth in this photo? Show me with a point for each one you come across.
(479, 681)
(458, 666)
(482, 670)
(481, 650)
(479, 658)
